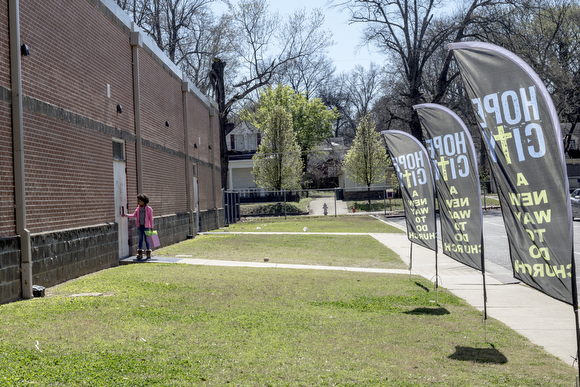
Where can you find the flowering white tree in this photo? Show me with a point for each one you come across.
(278, 163)
(366, 161)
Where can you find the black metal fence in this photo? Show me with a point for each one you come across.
(231, 202)
(284, 203)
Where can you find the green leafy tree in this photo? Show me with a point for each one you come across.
(277, 163)
(366, 162)
(312, 121)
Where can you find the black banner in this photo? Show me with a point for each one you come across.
(452, 154)
(523, 139)
(416, 181)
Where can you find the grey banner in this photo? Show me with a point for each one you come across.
(453, 158)
(521, 129)
(416, 181)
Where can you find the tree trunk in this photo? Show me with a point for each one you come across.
(416, 130)
(217, 76)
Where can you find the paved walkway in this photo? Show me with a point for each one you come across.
(543, 320)
(316, 206)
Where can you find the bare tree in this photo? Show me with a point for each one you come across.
(307, 75)
(168, 22)
(204, 43)
(363, 86)
(187, 31)
(410, 33)
(546, 34)
(253, 45)
(353, 95)
(335, 95)
(266, 43)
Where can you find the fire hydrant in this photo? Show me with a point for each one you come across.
(325, 208)
(353, 209)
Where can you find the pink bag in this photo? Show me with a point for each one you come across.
(154, 240)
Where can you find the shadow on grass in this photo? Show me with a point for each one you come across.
(479, 355)
(428, 311)
(425, 288)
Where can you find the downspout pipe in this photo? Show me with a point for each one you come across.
(188, 174)
(212, 114)
(136, 42)
(18, 150)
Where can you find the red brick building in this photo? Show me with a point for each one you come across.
(91, 114)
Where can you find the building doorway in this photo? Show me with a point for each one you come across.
(120, 177)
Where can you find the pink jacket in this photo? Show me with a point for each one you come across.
(148, 217)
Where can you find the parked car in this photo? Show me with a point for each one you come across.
(575, 199)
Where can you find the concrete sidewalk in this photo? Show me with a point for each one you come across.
(316, 206)
(544, 321)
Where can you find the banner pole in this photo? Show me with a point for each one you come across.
(577, 341)
(484, 287)
(575, 306)
(436, 251)
(436, 280)
(411, 260)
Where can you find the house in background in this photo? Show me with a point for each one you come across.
(325, 163)
(242, 142)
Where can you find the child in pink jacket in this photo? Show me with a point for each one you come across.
(144, 221)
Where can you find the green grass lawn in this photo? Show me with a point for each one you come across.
(350, 224)
(181, 325)
(326, 250)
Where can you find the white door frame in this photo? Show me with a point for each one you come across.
(120, 186)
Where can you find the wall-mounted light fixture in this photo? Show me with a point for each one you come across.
(24, 51)
(119, 109)
(195, 145)
(167, 123)
(209, 147)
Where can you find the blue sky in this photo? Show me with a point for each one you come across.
(346, 36)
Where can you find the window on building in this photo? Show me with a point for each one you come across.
(232, 142)
(118, 150)
(253, 142)
(240, 143)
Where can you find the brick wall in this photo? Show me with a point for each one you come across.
(79, 69)
(204, 173)
(161, 103)
(4, 47)
(75, 51)
(164, 181)
(7, 225)
(69, 174)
